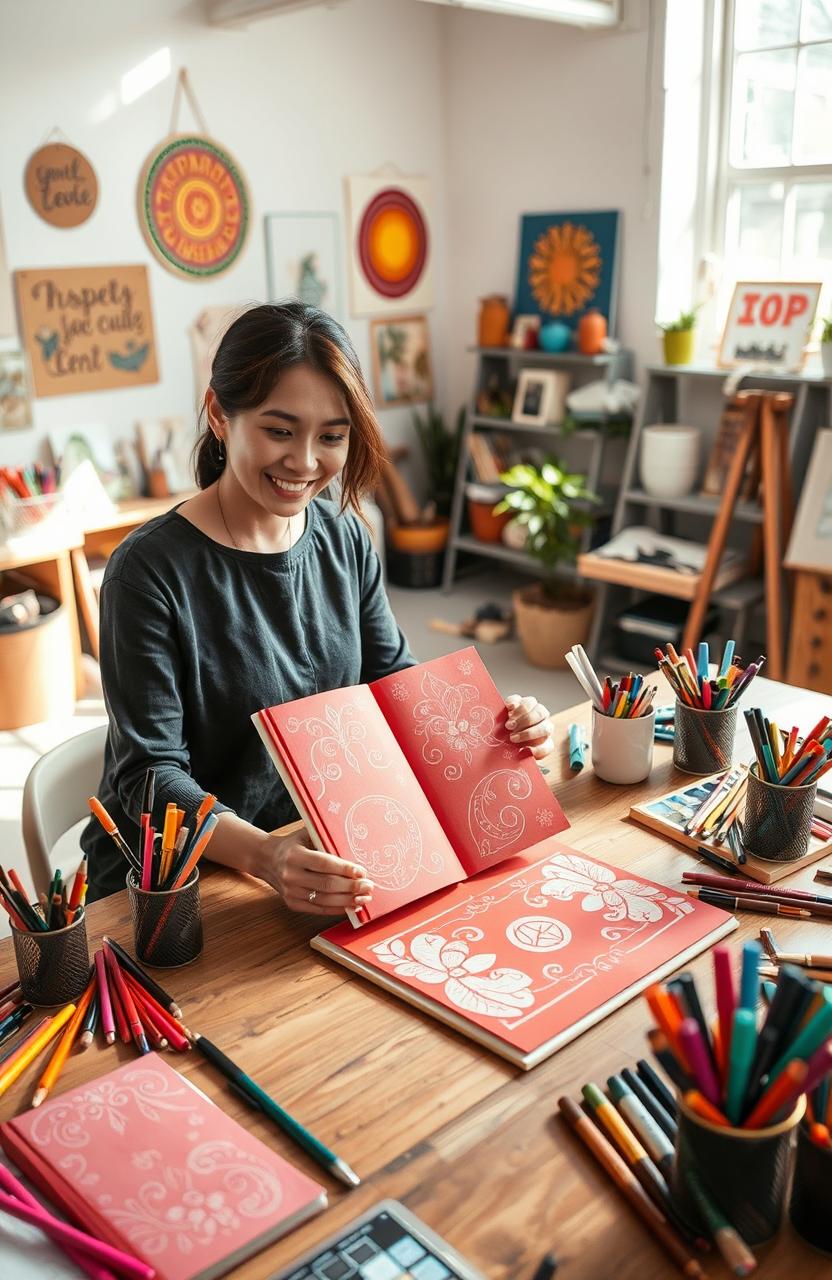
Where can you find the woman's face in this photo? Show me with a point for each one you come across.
(291, 446)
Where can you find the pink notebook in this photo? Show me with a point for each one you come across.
(142, 1159)
(533, 952)
(412, 777)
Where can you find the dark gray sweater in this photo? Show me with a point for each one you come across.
(196, 636)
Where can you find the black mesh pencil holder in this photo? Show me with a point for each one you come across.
(54, 967)
(167, 923)
(778, 820)
(745, 1170)
(704, 740)
(811, 1204)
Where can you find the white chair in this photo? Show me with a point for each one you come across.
(55, 796)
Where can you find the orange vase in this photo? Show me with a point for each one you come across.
(493, 321)
(592, 330)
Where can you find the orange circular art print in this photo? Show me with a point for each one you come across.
(565, 269)
(194, 208)
(392, 243)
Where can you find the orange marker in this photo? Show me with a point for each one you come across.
(113, 832)
(700, 1104)
(666, 1012)
(776, 1097)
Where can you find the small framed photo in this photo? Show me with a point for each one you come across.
(402, 371)
(540, 397)
(524, 332)
(303, 259)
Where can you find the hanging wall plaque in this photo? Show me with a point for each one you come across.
(61, 185)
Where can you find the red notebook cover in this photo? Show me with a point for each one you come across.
(412, 777)
(143, 1160)
(531, 953)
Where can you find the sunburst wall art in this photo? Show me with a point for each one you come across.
(390, 237)
(567, 265)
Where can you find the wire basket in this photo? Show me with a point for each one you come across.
(778, 820)
(703, 741)
(26, 523)
(167, 923)
(54, 967)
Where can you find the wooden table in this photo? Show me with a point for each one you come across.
(423, 1114)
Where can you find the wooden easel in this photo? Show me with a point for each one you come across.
(766, 431)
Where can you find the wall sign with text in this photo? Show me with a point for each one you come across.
(61, 185)
(769, 324)
(87, 328)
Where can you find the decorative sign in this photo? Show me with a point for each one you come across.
(769, 324)
(194, 207)
(86, 328)
(390, 266)
(61, 185)
(567, 265)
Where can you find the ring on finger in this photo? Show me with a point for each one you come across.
(311, 895)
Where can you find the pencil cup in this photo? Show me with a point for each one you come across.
(812, 1193)
(704, 740)
(54, 967)
(778, 820)
(745, 1170)
(622, 750)
(167, 923)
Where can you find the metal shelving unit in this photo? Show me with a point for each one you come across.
(490, 359)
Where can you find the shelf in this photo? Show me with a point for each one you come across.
(697, 504)
(498, 551)
(751, 375)
(550, 428)
(548, 357)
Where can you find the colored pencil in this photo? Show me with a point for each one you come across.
(105, 1002)
(63, 1047)
(11, 1070)
(126, 1001)
(730, 1243)
(64, 1234)
(144, 979)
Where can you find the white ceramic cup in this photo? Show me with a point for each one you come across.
(622, 750)
(669, 459)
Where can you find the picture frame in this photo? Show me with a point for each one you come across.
(303, 259)
(402, 367)
(768, 323)
(540, 397)
(810, 544)
(390, 243)
(568, 264)
(15, 394)
(524, 332)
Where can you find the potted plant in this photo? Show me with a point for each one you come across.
(553, 614)
(826, 347)
(679, 337)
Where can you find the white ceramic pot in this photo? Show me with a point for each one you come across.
(622, 750)
(669, 459)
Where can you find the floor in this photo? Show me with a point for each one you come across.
(20, 748)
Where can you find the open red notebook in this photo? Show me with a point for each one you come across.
(143, 1160)
(412, 777)
(533, 952)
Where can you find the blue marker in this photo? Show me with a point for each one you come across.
(749, 978)
(727, 658)
(703, 660)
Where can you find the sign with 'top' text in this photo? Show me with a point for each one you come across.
(769, 324)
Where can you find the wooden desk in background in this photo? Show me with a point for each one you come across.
(420, 1112)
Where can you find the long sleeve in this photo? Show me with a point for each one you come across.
(383, 647)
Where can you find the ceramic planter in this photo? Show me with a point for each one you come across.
(669, 459)
(678, 346)
(548, 630)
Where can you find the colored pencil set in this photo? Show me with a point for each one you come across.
(631, 1132)
(691, 681)
(735, 1074)
(32, 481)
(166, 860)
(717, 817)
(784, 758)
(625, 699)
(58, 907)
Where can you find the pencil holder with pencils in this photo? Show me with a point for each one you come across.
(704, 740)
(167, 923)
(54, 965)
(745, 1170)
(777, 825)
(622, 749)
(809, 1208)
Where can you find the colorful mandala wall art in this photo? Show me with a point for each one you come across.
(567, 265)
(193, 206)
(390, 236)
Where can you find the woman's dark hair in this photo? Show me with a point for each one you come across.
(256, 349)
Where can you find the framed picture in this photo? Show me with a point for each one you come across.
(401, 361)
(303, 259)
(810, 546)
(524, 332)
(389, 218)
(540, 397)
(568, 264)
(768, 323)
(15, 401)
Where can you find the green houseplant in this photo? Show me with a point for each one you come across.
(440, 447)
(826, 346)
(551, 503)
(679, 337)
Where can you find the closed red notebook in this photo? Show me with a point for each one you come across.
(143, 1160)
(533, 952)
(412, 777)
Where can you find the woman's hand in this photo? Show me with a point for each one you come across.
(528, 725)
(318, 883)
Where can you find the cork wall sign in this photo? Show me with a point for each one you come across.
(61, 185)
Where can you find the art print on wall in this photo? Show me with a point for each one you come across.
(401, 361)
(15, 403)
(390, 244)
(61, 185)
(303, 259)
(567, 265)
(87, 328)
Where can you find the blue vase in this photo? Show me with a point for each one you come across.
(555, 336)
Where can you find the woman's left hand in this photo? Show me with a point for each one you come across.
(529, 725)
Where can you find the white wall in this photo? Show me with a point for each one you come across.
(300, 99)
(542, 117)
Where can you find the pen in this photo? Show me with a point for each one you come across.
(258, 1097)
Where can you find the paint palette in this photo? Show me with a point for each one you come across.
(387, 1242)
